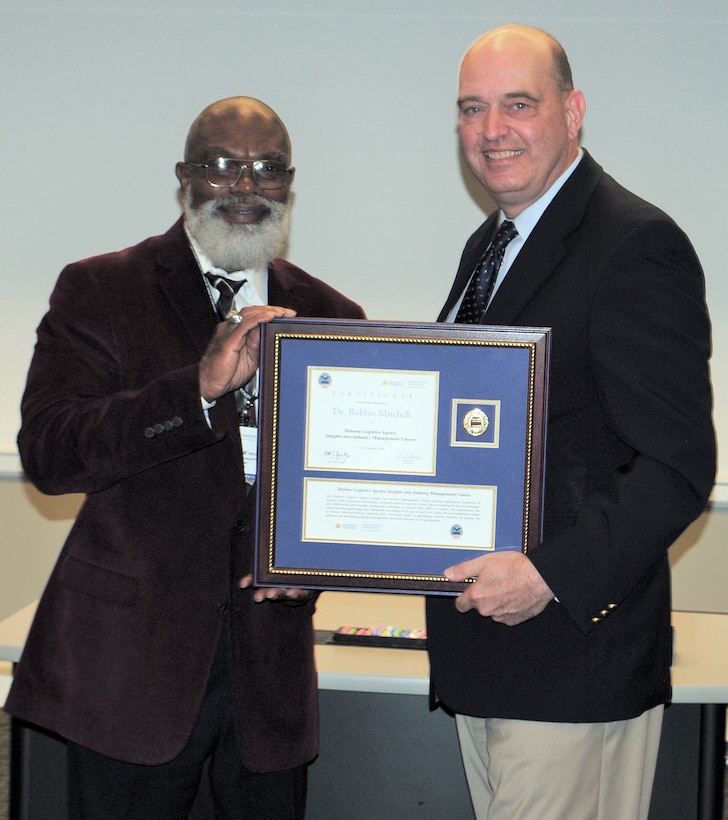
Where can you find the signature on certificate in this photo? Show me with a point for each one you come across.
(409, 457)
(336, 456)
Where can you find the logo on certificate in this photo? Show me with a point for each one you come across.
(325, 380)
(475, 423)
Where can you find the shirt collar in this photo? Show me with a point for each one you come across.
(526, 221)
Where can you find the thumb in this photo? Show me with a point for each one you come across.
(460, 572)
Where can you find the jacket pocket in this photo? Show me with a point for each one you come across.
(97, 581)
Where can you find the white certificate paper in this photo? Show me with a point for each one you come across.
(402, 513)
(371, 421)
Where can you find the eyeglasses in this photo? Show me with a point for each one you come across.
(225, 172)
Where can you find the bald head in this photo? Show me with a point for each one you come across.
(531, 40)
(239, 115)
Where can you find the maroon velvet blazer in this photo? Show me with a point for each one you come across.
(119, 654)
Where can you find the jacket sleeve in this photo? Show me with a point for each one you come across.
(95, 409)
(649, 346)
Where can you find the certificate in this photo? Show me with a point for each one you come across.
(371, 421)
(390, 451)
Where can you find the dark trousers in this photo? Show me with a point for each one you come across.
(100, 788)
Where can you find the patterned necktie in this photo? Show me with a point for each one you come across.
(481, 284)
(227, 289)
(245, 397)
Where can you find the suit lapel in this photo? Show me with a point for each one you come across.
(183, 287)
(181, 282)
(282, 290)
(546, 246)
(533, 266)
(541, 254)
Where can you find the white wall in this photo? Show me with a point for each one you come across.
(97, 96)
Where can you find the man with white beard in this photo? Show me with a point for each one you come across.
(238, 213)
(151, 652)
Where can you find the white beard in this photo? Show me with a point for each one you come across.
(240, 246)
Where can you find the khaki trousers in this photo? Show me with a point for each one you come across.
(527, 770)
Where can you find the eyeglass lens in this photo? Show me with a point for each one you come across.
(224, 173)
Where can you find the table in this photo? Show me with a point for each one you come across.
(699, 676)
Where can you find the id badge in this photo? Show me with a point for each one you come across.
(249, 440)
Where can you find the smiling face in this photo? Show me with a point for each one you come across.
(518, 128)
(238, 128)
(241, 227)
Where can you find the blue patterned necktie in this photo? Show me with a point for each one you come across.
(227, 289)
(481, 284)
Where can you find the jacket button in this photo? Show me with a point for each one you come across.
(239, 526)
(222, 608)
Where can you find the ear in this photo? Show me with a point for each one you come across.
(183, 174)
(575, 108)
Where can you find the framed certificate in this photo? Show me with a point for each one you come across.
(391, 451)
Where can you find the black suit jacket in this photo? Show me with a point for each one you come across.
(120, 651)
(630, 460)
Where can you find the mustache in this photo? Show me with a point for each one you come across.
(216, 205)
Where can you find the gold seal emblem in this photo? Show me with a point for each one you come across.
(475, 422)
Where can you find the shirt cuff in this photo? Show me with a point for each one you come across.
(206, 405)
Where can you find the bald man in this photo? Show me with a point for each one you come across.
(151, 652)
(557, 663)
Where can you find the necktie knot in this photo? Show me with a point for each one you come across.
(483, 279)
(505, 233)
(227, 288)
